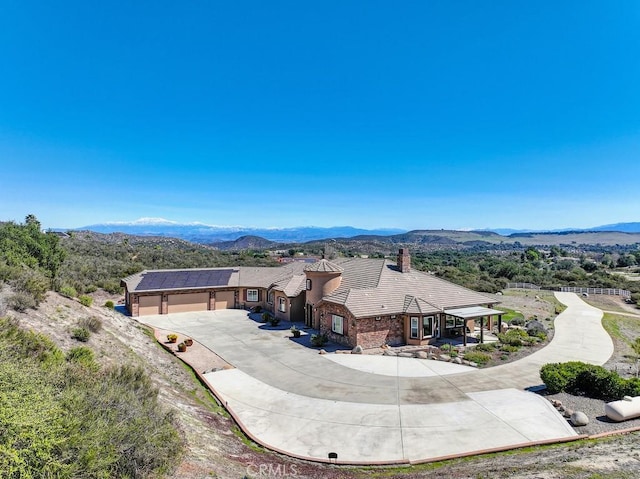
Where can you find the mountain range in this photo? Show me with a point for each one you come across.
(212, 234)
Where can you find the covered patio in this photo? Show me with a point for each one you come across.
(459, 318)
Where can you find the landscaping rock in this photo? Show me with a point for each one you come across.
(421, 355)
(445, 357)
(579, 418)
(473, 365)
(405, 355)
(567, 412)
(457, 360)
(388, 352)
(357, 350)
(322, 351)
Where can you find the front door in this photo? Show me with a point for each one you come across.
(308, 315)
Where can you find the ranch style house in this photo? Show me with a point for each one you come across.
(354, 301)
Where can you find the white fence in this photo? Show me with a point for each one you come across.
(570, 289)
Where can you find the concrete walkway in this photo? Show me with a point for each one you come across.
(291, 399)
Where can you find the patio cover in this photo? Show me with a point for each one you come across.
(472, 312)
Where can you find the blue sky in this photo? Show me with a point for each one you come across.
(421, 114)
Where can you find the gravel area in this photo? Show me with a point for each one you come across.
(594, 409)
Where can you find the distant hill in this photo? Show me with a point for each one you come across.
(202, 233)
(245, 242)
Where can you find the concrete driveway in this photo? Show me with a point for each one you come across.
(294, 400)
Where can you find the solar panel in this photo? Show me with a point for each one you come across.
(199, 278)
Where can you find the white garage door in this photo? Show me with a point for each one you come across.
(182, 303)
(149, 305)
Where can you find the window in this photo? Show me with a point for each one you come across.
(427, 326)
(308, 285)
(270, 297)
(414, 327)
(282, 304)
(337, 324)
(252, 295)
(450, 322)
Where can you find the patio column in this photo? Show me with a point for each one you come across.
(481, 329)
(499, 323)
(464, 332)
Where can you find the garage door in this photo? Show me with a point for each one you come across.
(149, 305)
(224, 299)
(182, 303)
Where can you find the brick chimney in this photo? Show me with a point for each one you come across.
(404, 260)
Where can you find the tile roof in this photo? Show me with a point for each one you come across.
(293, 286)
(323, 266)
(372, 287)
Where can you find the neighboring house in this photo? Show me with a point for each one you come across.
(355, 301)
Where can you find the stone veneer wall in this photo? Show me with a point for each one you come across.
(348, 324)
(373, 333)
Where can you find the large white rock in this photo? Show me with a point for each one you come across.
(579, 418)
(627, 408)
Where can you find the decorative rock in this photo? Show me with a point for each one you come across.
(357, 350)
(473, 365)
(567, 412)
(445, 357)
(457, 360)
(405, 355)
(556, 403)
(322, 351)
(579, 418)
(421, 355)
(388, 352)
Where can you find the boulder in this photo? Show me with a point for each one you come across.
(578, 418)
(388, 352)
(322, 351)
(567, 413)
(421, 355)
(405, 355)
(457, 360)
(357, 350)
(445, 357)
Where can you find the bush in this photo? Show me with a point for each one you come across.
(109, 304)
(68, 291)
(81, 334)
(86, 300)
(559, 377)
(266, 317)
(488, 347)
(83, 356)
(92, 323)
(273, 321)
(478, 358)
(507, 348)
(318, 340)
(513, 337)
(22, 301)
(517, 321)
(172, 338)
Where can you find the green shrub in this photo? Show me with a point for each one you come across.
(507, 348)
(82, 355)
(266, 317)
(513, 337)
(488, 347)
(68, 291)
(109, 304)
(318, 340)
(478, 358)
(559, 377)
(91, 323)
(86, 300)
(21, 301)
(517, 321)
(81, 334)
(273, 321)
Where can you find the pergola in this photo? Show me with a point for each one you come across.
(475, 312)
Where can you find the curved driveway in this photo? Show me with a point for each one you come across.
(291, 399)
